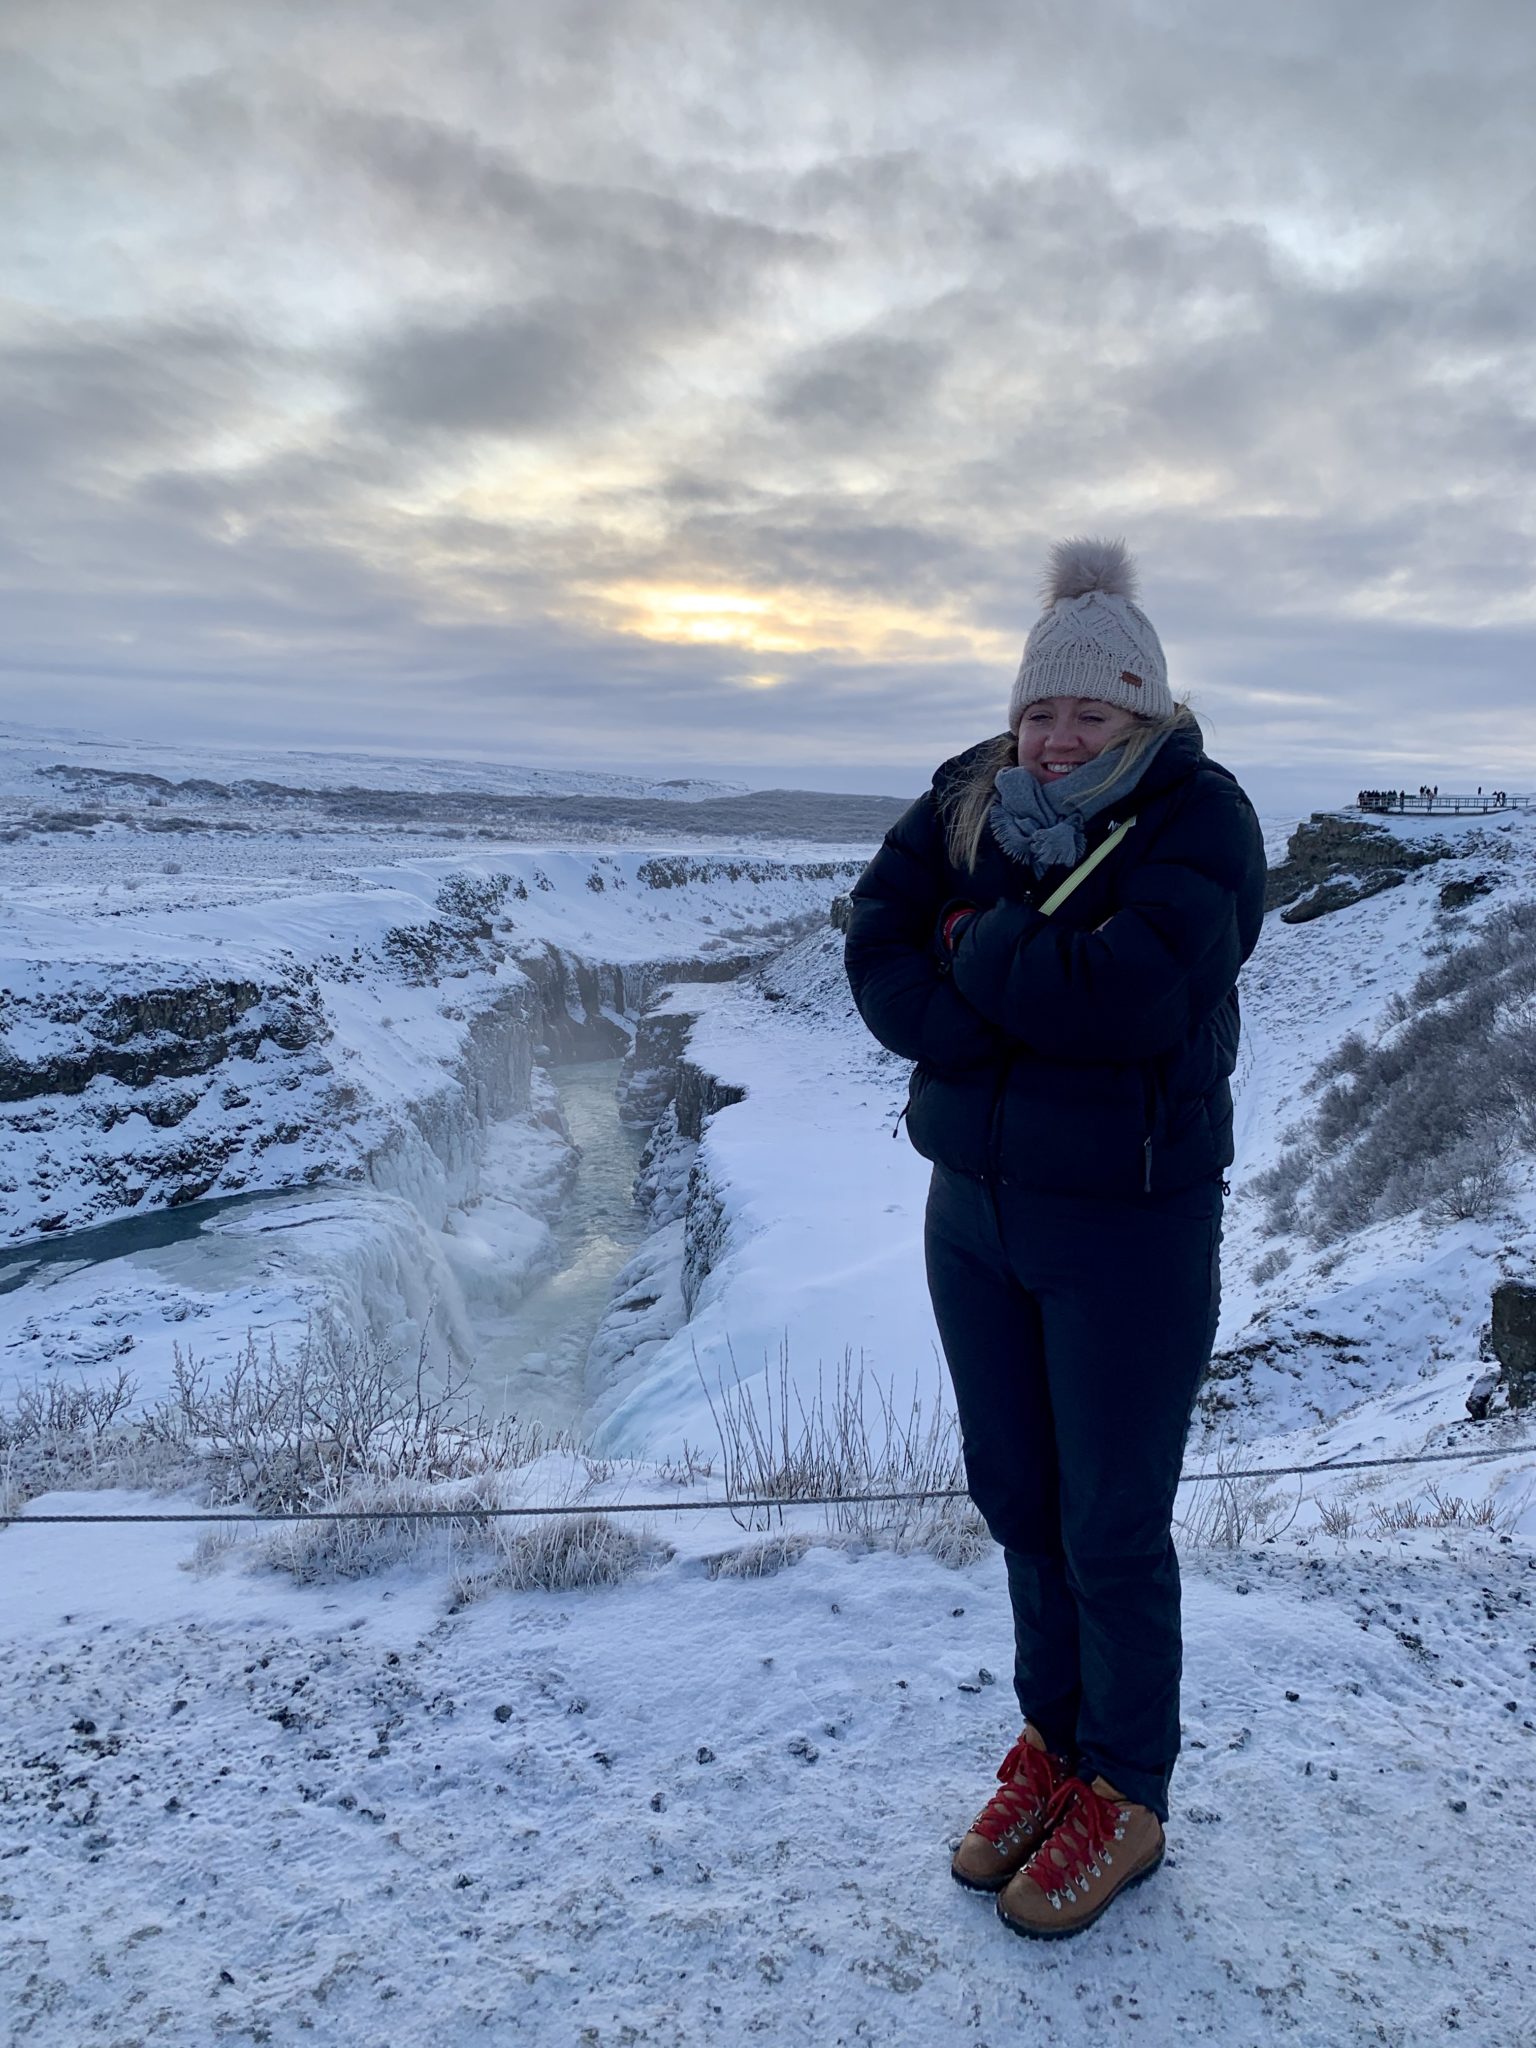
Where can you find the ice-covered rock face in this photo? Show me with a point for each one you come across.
(155, 1059)
(124, 1085)
(373, 1055)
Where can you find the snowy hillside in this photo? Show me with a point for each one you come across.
(73, 757)
(360, 1787)
(84, 803)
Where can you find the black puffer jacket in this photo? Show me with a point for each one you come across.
(1087, 1053)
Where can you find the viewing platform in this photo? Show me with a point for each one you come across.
(1408, 803)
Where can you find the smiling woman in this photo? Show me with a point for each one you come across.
(1053, 934)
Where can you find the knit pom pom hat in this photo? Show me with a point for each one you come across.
(1092, 639)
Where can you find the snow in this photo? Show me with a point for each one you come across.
(822, 1215)
(717, 1809)
(713, 1806)
(27, 749)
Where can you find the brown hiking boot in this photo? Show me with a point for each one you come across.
(1011, 1826)
(1096, 1844)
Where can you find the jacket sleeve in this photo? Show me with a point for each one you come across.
(900, 983)
(1187, 916)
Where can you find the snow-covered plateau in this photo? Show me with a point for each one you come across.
(594, 1128)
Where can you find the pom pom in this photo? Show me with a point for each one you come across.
(1078, 566)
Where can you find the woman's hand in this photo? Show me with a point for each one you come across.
(952, 922)
(898, 965)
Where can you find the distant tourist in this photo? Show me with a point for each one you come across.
(1053, 933)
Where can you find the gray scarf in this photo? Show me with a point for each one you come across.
(1042, 824)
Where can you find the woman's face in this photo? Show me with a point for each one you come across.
(1058, 734)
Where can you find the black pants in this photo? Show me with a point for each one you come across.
(1076, 1333)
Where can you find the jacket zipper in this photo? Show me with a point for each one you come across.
(995, 1124)
(1150, 1097)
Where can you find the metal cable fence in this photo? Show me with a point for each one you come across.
(740, 1505)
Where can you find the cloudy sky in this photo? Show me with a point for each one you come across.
(697, 384)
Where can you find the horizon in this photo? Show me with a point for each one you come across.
(1275, 791)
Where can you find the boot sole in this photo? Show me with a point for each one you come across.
(1080, 1926)
(990, 1886)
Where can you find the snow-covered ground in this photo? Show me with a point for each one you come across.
(690, 1809)
(698, 1806)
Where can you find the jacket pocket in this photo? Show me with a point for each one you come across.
(1154, 1098)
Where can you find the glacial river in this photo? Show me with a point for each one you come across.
(532, 1360)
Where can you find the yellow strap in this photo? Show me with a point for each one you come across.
(1084, 869)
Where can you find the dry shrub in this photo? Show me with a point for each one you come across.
(846, 1440)
(760, 1560)
(1224, 1511)
(1434, 1508)
(558, 1554)
(1429, 1117)
(282, 1430)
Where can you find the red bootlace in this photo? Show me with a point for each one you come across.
(1080, 1825)
(1028, 1778)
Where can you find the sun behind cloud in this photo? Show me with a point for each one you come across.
(788, 622)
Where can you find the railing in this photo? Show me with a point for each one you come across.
(1392, 803)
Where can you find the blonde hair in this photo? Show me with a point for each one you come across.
(966, 806)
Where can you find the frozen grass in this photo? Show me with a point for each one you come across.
(1344, 1518)
(59, 1434)
(759, 1560)
(332, 1426)
(279, 1431)
(557, 1553)
(1223, 1511)
(850, 1438)
(560, 1555)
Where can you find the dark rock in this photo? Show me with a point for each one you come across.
(1339, 895)
(657, 1070)
(1513, 1339)
(699, 1095)
(1454, 895)
(503, 1712)
(1329, 849)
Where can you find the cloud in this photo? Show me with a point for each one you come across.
(98, 392)
(384, 369)
(863, 384)
(515, 370)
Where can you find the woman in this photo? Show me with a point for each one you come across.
(1053, 933)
